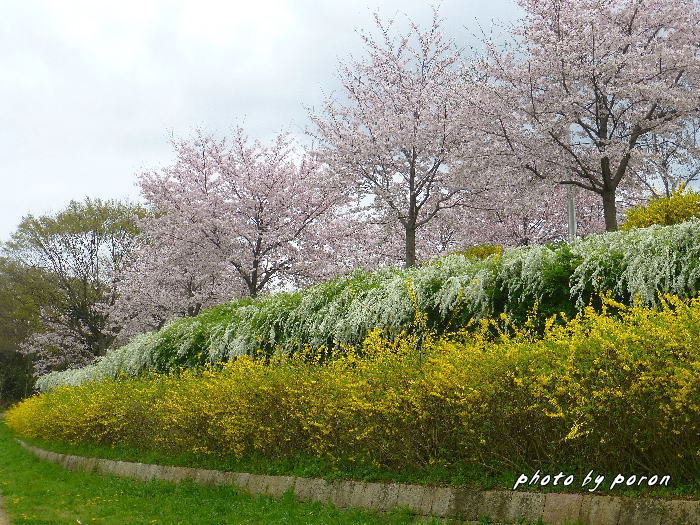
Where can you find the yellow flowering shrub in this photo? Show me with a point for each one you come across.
(616, 389)
(480, 251)
(681, 206)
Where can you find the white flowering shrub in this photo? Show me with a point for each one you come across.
(638, 264)
(635, 266)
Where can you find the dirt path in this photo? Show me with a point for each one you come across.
(4, 520)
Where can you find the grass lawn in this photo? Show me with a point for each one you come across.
(41, 493)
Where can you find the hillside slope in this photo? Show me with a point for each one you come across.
(444, 295)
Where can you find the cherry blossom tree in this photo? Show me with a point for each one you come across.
(516, 213)
(398, 139)
(511, 213)
(163, 281)
(531, 211)
(671, 160)
(585, 85)
(232, 218)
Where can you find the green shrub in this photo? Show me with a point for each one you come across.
(681, 206)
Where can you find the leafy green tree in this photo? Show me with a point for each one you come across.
(81, 249)
(22, 290)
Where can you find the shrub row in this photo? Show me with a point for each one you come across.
(634, 266)
(613, 391)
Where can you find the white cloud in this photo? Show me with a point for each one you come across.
(89, 91)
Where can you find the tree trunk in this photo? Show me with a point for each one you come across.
(412, 217)
(609, 210)
(193, 311)
(410, 246)
(254, 274)
(253, 287)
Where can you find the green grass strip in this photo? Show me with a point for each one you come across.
(41, 493)
(463, 475)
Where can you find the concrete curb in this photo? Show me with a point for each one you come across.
(446, 502)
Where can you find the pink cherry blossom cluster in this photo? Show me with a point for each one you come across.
(230, 217)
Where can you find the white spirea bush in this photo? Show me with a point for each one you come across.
(640, 263)
(635, 266)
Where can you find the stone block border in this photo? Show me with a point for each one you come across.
(447, 502)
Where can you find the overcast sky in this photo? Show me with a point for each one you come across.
(91, 91)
